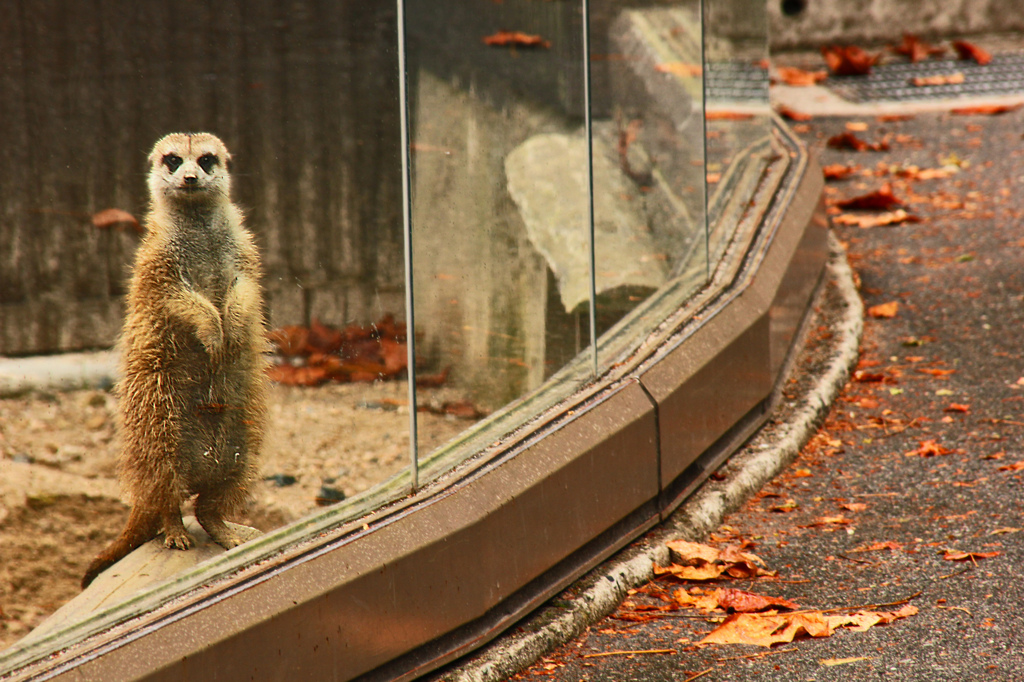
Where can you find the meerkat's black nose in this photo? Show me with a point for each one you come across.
(191, 179)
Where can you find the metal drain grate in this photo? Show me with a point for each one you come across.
(1004, 75)
(735, 82)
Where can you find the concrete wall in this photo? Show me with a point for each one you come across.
(862, 21)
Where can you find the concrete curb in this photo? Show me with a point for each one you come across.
(66, 372)
(768, 452)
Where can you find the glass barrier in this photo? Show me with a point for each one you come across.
(305, 97)
(499, 222)
(648, 151)
(739, 118)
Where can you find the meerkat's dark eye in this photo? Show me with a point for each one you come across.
(172, 161)
(207, 162)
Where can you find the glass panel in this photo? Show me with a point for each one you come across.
(738, 113)
(648, 150)
(305, 96)
(500, 230)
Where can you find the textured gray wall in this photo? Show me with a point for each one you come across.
(862, 21)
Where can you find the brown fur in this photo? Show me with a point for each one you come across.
(193, 392)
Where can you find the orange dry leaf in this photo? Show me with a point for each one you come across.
(766, 629)
(680, 69)
(694, 561)
(966, 50)
(957, 407)
(1016, 466)
(936, 372)
(740, 601)
(880, 220)
(793, 115)
(515, 39)
(838, 171)
(848, 61)
(115, 217)
(915, 49)
(790, 75)
(881, 199)
(928, 448)
(987, 110)
(854, 506)
(884, 310)
(850, 141)
(954, 555)
(938, 79)
(727, 116)
(876, 546)
(915, 173)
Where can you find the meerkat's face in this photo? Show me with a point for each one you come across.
(189, 167)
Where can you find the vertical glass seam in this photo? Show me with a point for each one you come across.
(410, 317)
(704, 130)
(589, 133)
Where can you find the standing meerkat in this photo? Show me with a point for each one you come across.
(194, 388)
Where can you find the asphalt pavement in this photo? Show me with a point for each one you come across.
(911, 491)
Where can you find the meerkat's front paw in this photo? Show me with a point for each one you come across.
(178, 540)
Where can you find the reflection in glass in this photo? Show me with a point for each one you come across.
(306, 99)
(648, 150)
(500, 235)
(738, 112)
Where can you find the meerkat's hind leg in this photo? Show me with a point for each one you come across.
(209, 513)
(175, 535)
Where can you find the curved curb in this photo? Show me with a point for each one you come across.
(761, 459)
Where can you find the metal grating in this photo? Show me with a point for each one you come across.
(735, 82)
(1004, 75)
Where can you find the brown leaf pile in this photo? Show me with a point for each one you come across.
(313, 355)
(881, 199)
(848, 60)
(850, 141)
(915, 49)
(694, 561)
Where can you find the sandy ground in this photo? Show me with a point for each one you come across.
(59, 499)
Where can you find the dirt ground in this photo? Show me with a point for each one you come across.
(59, 499)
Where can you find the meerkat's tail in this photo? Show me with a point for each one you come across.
(142, 526)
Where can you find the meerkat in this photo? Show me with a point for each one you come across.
(193, 390)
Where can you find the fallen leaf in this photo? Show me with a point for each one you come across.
(722, 115)
(915, 49)
(849, 60)
(987, 110)
(1016, 466)
(741, 601)
(844, 661)
(848, 140)
(792, 114)
(936, 372)
(881, 199)
(938, 79)
(838, 171)
(854, 506)
(680, 69)
(515, 39)
(954, 555)
(115, 217)
(884, 310)
(766, 629)
(928, 448)
(897, 217)
(915, 173)
(790, 75)
(966, 50)
(788, 506)
(694, 561)
(877, 546)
